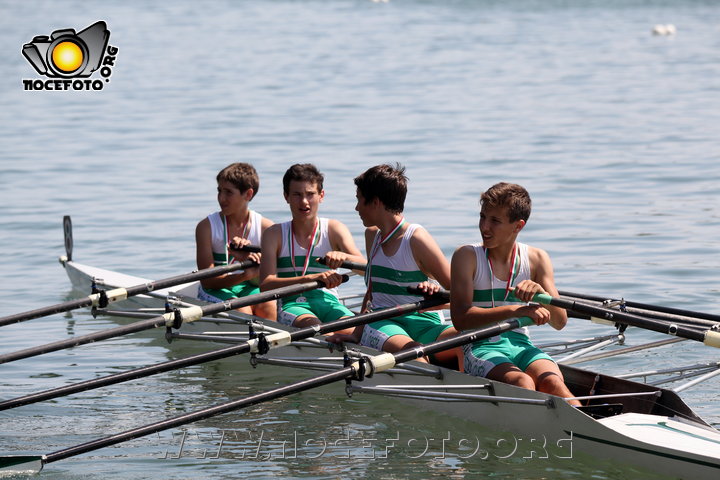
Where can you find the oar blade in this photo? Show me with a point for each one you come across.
(21, 464)
(67, 230)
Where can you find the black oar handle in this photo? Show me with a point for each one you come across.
(440, 294)
(345, 264)
(245, 248)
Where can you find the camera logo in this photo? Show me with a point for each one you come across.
(66, 55)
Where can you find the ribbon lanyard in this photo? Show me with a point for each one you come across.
(315, 240)
(244, 229)
(511, 277)
(378, 242)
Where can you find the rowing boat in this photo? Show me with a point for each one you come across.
(621, 420)
(646, 426)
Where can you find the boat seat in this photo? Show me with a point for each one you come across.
(602, 410)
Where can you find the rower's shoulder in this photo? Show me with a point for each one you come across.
(266, 223)
(274, 229)
(465, 251)
(203, 225)
(420, 236)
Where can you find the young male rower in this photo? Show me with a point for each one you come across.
(493, 281)
(291, 249)
(235, 225)
(400, 255)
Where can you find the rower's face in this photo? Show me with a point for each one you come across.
(363, 209)
(230, 198)
(304, 198)
(495, 226)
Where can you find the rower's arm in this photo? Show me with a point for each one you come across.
(429, 257)
(344, 247)
(542, 273)
(270, 248)
(464, 315)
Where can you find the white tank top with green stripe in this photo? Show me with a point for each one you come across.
(285, 267)
(486, 287)
(218, 234)
(392, 275)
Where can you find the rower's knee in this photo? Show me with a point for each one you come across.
(517, 378)
(306, 321)
(553, 384)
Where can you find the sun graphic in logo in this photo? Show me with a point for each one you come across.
(67, 56)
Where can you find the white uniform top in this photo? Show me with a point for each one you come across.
(219, 236)
(391, 275)
(322, 246)
(487, 289)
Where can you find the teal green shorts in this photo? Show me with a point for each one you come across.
(423, 327)
(320, 304)
(216, 295)
(512, 347)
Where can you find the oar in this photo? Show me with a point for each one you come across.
(643, 308)
(102, 299)
(346, 264)
(255, 345)
(171, 319)
(246, 248)
(365, 366)
(708, 337)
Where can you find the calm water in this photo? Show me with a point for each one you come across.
(613, 131)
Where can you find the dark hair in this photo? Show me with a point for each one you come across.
(242, 175)
(303, 172)
(510, 195)
(386, 183)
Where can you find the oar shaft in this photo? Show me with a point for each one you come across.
(84, 339)
(186, 314)
(707, 337)
(379, 363)
(201, 414)
(462, 339)
(124, 293)
(645, 306)
(205, 357)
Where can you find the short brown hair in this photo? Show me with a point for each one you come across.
(386, 183)
(511, 196)
(242, 175)
(303, 172)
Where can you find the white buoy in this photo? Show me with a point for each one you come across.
(667, 29)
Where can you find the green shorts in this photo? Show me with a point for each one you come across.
(423, 327)
(512, 347)
(216, 295)
(320, 304)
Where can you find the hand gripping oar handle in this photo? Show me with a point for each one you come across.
(708, 337)
(104, 298)
(346, 264)
(275, 340)
(374, 364)
(170, 319)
